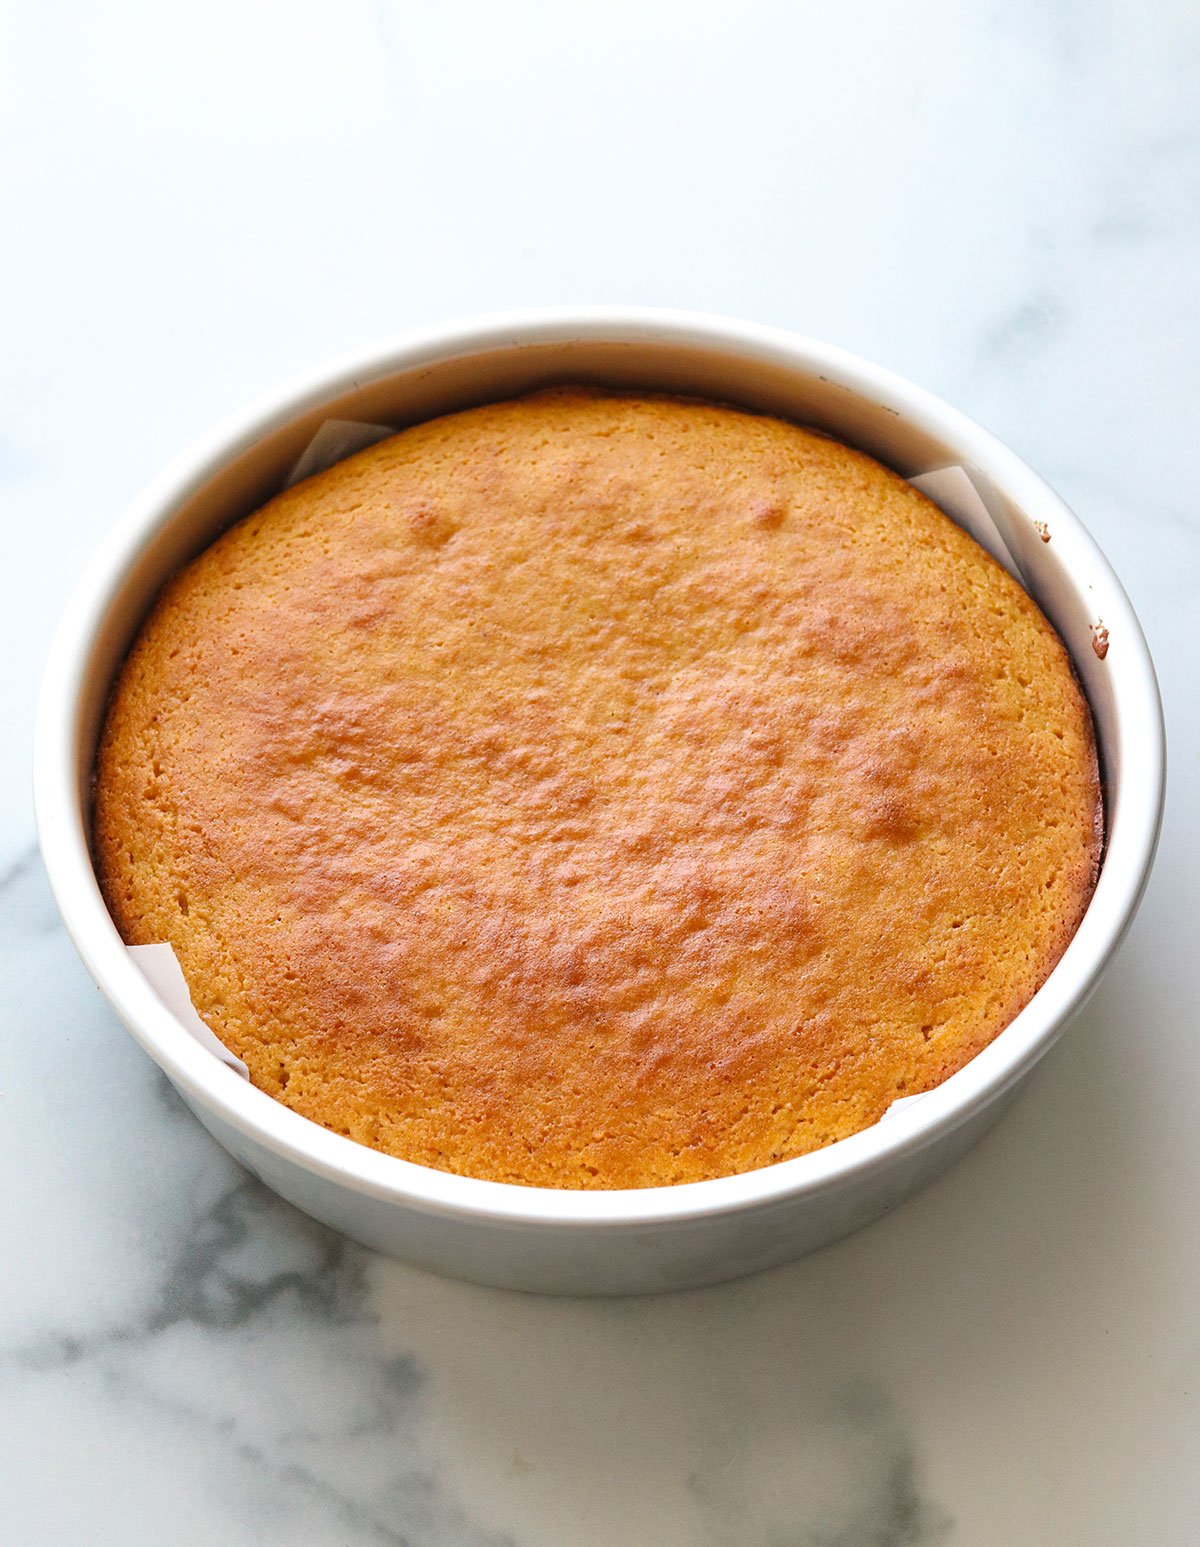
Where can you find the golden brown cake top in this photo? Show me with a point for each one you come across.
(599, 791)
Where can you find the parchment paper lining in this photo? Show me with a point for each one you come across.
(160, 967)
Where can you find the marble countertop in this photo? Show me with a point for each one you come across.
(1000, 202)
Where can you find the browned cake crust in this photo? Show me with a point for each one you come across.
(599, 791)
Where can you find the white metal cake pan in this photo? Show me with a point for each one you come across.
(561, 1240)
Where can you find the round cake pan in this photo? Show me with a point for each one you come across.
(626, 1241)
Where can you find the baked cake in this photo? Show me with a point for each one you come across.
(595, 790)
